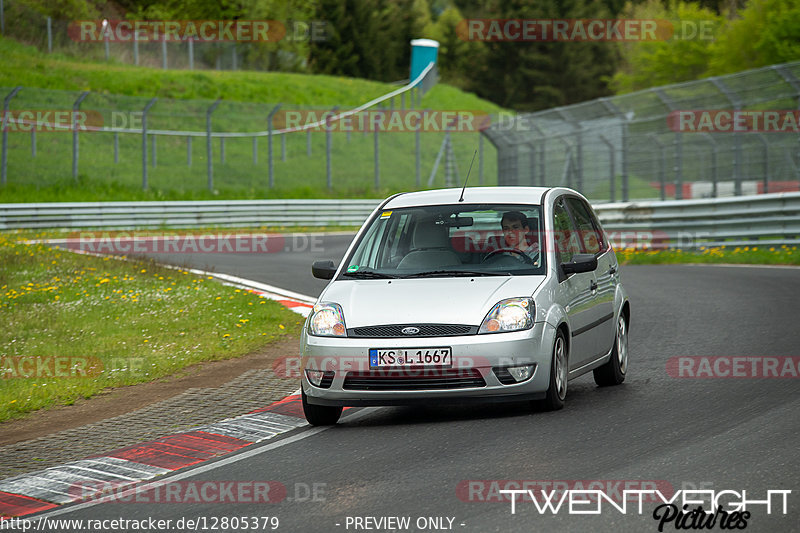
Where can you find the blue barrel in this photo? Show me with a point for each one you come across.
(423, 51)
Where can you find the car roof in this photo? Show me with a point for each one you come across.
(472, 195)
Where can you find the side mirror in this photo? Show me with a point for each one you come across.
(580, 263)
(326, 270)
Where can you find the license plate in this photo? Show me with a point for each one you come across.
(405, 357)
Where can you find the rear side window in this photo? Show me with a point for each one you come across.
(565, 234)
(589, 232)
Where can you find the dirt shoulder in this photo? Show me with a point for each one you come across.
(119, 401)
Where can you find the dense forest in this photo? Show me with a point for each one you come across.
(370, 39)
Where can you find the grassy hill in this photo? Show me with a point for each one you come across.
(183, 98)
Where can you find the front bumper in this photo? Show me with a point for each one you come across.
(474, 357)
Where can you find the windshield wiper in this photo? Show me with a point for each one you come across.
(368, 274)
(432, 273)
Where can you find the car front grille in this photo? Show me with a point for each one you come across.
(414, 379)
(425, 330)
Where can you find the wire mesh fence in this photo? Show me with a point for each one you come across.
(53, 138)
(205, 45)
(725, 136)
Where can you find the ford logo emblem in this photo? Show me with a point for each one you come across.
(410, 331)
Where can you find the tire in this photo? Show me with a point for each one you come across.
(613, 372)
(557, 391)
(320, 415)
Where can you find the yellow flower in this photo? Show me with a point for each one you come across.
(226, 335)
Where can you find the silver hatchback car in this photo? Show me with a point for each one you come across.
(489, 293)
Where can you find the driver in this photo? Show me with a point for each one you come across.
(516, 233)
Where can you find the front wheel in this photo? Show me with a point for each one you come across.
(557, 391)
(613, 372)
(320, 415)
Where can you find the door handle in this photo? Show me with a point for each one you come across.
(593, 286)
(612, 270)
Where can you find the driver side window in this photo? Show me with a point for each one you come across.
(565, 234)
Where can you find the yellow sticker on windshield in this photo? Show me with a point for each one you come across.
(386, 214)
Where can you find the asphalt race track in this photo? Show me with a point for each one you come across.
(723, 433)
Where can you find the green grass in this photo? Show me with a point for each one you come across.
(755, 255)
(25, 65)
(113, 323)
(184, 96)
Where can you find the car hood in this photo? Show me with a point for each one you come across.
(424, 301)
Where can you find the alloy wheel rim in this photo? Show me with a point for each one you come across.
(561, 369)
(622, 344)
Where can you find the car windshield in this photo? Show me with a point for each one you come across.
(449, 241)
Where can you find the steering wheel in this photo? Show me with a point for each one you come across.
(522, 255)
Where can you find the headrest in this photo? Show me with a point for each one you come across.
(428, 234)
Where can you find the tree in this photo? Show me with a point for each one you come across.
(767, 33)
(533, 75)
(683, 56)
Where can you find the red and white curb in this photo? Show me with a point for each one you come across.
(45, 489)
(299, 303)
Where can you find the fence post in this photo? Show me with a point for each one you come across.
(75, 108)
(764, 142)
(480, 158)
(678, 167)
(737, 153)
(135, 50)
(190, 43)
(2, 19)
(308, 143)
(4, 157)
(543, 151)
(611, 170)
(661, 165)
(49, 35)
(105, 40)
(164, 52)
(417, 156)
(188, 150)
(714, 170)
(283, 147)
(33, 142)
(209, 152)
(269, 145)
(328, 144)
(222, 149)
(144, 141)
(377, 179)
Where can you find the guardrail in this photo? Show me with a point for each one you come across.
(177, 214)
(763, 219)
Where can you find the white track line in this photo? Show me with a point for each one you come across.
(208, 467)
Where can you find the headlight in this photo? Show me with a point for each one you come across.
(513, 314)
(327, 320)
